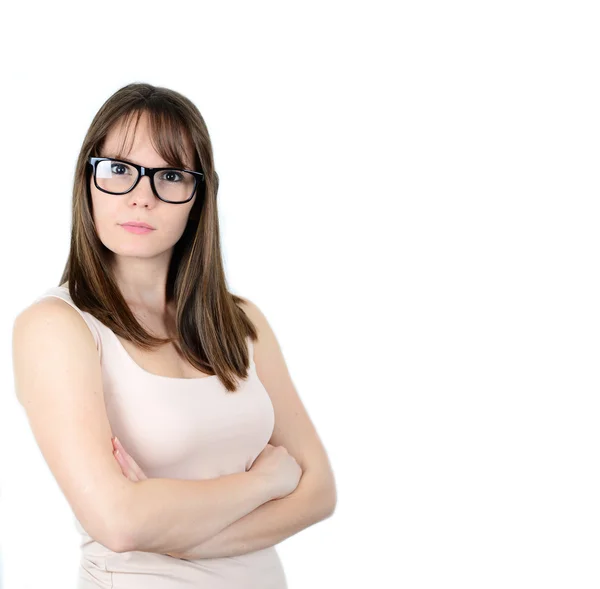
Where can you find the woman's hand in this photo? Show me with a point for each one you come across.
(128, 465)
(280, 468)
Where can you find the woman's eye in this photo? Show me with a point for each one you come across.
(171, 176)
(119, 169)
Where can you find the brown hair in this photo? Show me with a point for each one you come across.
(211, 328)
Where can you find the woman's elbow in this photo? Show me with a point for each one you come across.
(122, 533)
(121, 541)
(111, 525)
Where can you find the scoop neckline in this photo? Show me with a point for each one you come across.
(148, 373)
(142, 369)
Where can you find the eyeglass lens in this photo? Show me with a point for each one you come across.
(118, 177)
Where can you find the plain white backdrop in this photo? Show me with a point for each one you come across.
(409, 192)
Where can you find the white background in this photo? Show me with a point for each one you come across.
(409, 192)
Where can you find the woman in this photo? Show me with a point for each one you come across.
(142, 351)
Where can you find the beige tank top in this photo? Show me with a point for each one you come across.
(182, 428)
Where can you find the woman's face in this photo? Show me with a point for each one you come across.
(110, 211)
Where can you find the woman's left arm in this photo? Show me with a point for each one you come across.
(315, 497)
(270, 523)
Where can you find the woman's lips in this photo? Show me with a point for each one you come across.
(134, 229)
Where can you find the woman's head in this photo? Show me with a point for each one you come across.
(131, 139)
(155, 127)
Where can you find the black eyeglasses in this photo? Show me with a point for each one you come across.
(173, 185)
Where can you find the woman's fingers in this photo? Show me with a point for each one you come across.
(131, 464)
(125, 468)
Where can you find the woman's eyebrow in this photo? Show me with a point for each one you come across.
(114, 156)
(111, 155)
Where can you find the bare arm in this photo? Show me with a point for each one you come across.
(170, 515)
(58, 381)
(270, 523)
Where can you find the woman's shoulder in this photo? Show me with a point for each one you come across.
(53, 300)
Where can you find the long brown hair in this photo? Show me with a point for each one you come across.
(211, 328)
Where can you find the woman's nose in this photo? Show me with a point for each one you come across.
(143, 193)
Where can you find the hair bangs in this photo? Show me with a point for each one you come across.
(168, 135)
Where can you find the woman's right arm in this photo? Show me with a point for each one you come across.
(58, 381)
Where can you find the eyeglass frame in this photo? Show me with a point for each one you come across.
(144, 171)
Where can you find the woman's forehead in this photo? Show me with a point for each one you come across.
(142, 141)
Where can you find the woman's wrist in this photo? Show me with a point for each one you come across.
(262, 486)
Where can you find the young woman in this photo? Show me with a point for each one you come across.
(161, 401)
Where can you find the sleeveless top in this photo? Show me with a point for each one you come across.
(182, 428)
